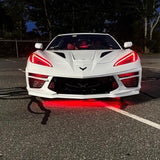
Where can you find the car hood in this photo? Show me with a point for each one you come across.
(82, 63)
(100, 56)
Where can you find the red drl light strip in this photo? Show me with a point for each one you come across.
(129, 58)
(38, 75)
(35, 58)
(127, 74)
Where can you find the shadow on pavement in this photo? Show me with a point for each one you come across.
(13, 93)
(40, 105)
(18, 93)
(150, 90)
(150, 83)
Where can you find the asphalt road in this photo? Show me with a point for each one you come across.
(94, 129)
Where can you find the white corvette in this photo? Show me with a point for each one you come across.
(83, 65)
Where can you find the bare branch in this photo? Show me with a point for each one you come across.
(157, 20)
(153, 25)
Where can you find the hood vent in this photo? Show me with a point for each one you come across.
(105, 53)
(60, 54)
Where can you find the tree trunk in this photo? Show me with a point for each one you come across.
(48, 20)
(153, 25)
(151, 30)
(146, 50)
(145, 28)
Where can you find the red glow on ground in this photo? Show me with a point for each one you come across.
(88, 103)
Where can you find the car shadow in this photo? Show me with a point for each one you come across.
(46, 112)
(150, 90)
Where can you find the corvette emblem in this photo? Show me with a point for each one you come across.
(83, 68)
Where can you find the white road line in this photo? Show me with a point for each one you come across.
(21, 70)
(140, 119)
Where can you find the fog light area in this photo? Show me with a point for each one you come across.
(131, 82)
(36, 83)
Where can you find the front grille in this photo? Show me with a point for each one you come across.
(83, 86)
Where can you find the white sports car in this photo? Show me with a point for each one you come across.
(83, 65)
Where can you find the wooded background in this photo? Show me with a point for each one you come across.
(126, 20)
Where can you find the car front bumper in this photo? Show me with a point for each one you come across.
(42, 88)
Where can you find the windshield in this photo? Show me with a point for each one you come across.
(83, 42)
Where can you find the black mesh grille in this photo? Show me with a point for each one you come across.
(83, 86)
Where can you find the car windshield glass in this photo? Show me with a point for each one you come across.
(83, 42)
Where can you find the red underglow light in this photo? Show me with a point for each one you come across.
(35, 58)
(129, 58)
(88, 103)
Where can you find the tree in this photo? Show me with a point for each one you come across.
(16, 11)
(154, 18)
(61, 16)
(147, 10)
(6, 24)
(48, 20)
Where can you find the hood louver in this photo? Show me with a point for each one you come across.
(105, 53)
(60, 54)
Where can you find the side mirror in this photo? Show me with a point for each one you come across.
(38, 45)
(128, 44)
